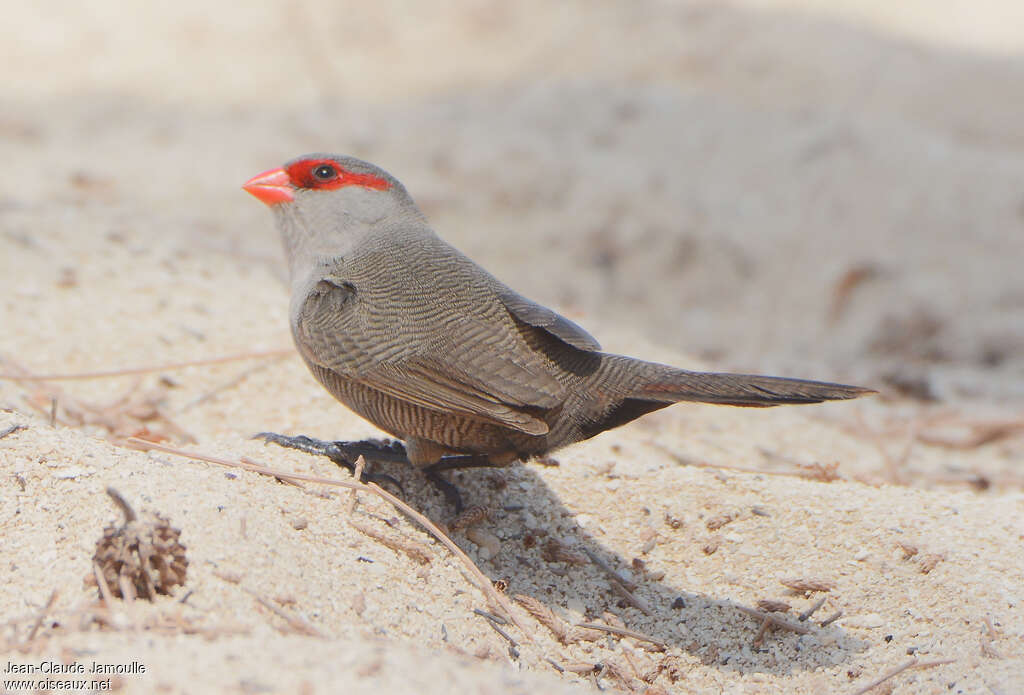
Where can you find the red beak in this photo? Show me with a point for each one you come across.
(271, 187)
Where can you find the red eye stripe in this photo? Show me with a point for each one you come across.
(301, 176)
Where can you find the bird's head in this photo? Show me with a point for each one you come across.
(327, 204)
(316, 174)
(338, 184)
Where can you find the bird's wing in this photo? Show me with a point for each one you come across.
(541, 317)
(469, 365)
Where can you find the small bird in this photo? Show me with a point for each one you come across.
(428, 346)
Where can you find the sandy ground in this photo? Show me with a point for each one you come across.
(811, 189)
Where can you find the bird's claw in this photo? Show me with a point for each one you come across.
(346, 453)
(343, 454)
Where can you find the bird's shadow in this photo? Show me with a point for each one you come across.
(546, 554)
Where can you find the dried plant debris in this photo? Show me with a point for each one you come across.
(926, 561)
(824, 472)
(811, 609)
(556, 551)
(844, 288)
(769, 605)
(806, 584)
(967, 434)
(470, 517)
(717, 522)
(12, 429)
(909, 549)
(415, 551)
(144, 557)
(929, 561)
(545, 616)
(497, 600)
(137, 413)
(891, 673)
(563, 632)
(618, 675)
(771, 620)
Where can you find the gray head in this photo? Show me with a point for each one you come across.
(312, 177)
(327, 204)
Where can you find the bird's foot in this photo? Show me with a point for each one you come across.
(383, 451)
(346, 453)
(450, 463)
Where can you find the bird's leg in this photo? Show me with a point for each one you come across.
(458, 461)
(451, 463)
(346, 453)
(383, 451)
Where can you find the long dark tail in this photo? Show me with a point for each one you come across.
(637, 388)
(749, 390)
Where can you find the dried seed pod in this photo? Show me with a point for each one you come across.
(717, 522)
(807, 584)
(144, 557)
(769, 605)
(471, 517)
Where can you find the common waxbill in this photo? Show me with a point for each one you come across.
(421, 341)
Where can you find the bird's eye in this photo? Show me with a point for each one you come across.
(325, 172)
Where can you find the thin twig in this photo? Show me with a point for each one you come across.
(765, 624)
(42, 616)
(810, 611)
(632, 665)
(483, 583)
(980, 433)
(231, 383)
(811, 474)
(775, 620)
(286, 481)
(831, 619)
(554, 664)
(620, 584)
(105, 593)
(414, 551)
(607, 569)
(853, 278)
(12, 429)
(622, 632)
(546, 617)
(490, 616)
(894, 465)
(630, 597)
(296, 623)
(120, 501)
(108, 373)
(912, 663)
(358, 475)
(131, 413)
(987, 635)
(508, 637)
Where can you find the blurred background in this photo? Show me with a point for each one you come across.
(830, 189)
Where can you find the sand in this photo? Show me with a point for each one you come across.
(819, 191)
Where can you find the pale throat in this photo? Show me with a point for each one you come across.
(323, 229)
